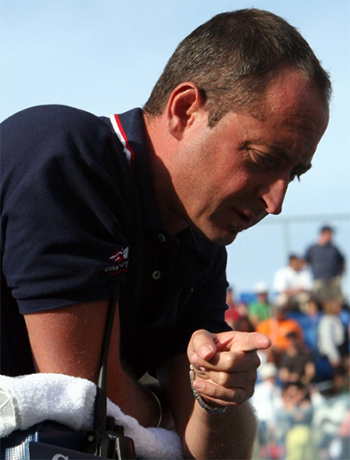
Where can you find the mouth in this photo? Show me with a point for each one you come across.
(242, 220)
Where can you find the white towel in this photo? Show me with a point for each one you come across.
(31, 399)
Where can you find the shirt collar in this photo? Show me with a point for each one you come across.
(130, 129)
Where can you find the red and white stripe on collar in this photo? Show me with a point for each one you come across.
(119, 130)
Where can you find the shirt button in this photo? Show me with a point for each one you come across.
(161, 237)
(156, 275)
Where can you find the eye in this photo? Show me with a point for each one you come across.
(263, 159)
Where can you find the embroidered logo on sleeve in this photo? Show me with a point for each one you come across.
(121, 260)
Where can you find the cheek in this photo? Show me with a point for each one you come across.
(236, 181)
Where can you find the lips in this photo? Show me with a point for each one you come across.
(241, 220)
(246, 219)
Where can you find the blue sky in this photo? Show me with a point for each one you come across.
(105, 55)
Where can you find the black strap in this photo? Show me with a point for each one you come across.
(107, 440)
(100, 410)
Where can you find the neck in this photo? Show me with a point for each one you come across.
(160, 146)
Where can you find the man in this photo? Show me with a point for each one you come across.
(260, 309)
(144, 206)
(297, 363)
(327, 264)
(236, 311)
(277, 328)
(294, 281)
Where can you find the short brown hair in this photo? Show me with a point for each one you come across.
(233, 57)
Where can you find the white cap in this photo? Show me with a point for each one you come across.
(260, 288)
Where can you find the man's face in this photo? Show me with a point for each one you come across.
(325, 237)
(294, 263)
(231, 176)
(262, 297)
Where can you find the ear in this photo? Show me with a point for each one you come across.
(183, 104)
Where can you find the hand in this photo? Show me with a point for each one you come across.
(226, 364)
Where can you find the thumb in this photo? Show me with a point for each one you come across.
(202, 345)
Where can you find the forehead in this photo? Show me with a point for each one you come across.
(290, 100)
(289, 119)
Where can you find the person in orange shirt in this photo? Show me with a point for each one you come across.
(277, 327)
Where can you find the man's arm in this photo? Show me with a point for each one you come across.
(68, 340)
(228, 374)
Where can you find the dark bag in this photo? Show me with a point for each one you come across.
(51, 440)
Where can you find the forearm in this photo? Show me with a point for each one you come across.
(226, 376)
(222, 436)
(134, 399)
(68, 341)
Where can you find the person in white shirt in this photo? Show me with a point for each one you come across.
(293, 280)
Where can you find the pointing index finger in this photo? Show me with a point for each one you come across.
(257, 341)
(245, 341)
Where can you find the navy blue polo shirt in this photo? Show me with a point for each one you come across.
(326, 261)
(80, 222)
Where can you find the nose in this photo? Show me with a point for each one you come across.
(273, 196)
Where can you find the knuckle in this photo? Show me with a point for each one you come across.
(215, 391)
(223, 379)
(243, 395)
(236, 396)
(196, 335)
(229, 360)
(251, 379)
(200, 336)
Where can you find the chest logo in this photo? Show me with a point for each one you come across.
(121, 260)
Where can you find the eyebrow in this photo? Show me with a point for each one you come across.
(300, 167)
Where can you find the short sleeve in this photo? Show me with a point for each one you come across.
(63, 204)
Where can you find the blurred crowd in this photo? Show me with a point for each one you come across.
(306, 371)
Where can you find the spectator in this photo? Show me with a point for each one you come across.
(267, 398)
(299, 443)
(332, 336)
(344, 433)
(341, 380)
(277, 327)
(260, 309)
(293, 281)
(313, 313)
(327, 264)
(267, 401)
(297, 362)
(244, 325)
(310, 324)
(235, 311)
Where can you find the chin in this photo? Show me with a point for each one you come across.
(225, 240)
(222, 238)
(220, 235)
